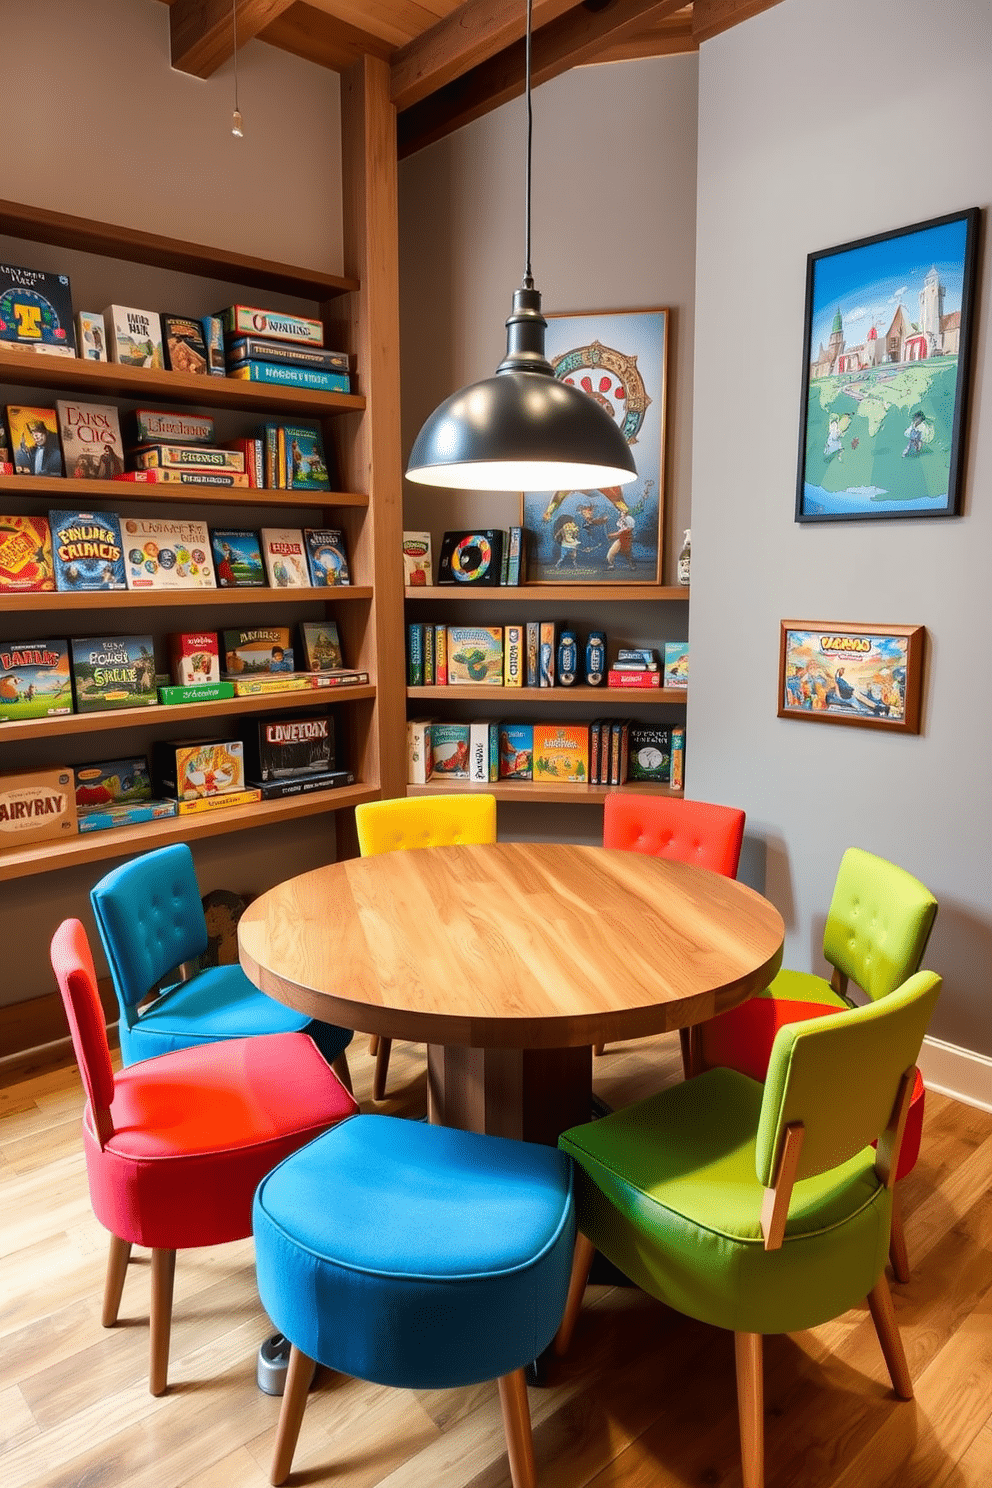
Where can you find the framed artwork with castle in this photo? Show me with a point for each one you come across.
(886, 370)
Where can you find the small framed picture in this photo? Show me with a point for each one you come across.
(831, 671)
(886, 371)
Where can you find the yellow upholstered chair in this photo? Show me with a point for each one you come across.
(409, 823)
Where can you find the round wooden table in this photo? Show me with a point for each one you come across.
(510, 961)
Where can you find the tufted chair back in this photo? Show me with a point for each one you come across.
(878, 923)
(150, 919)
(698, 832)
(425, 821)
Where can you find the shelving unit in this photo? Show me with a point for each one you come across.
(434, 604)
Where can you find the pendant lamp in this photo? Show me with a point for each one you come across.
(522, 430)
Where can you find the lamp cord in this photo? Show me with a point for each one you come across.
(234, 20)
(528, 277)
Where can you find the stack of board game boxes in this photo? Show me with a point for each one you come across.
(286, 350)
(535, 654)
(609, 751)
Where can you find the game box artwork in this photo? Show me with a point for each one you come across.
(320, 646)
(37, 805)
(475, 654)
(650, 756)
(306, 468)
(184, 345)
(285, 557)
(134, 337)
(34, 680)
(26, 556)
(255, 652)
(326, 556)
(237, 558)
(113, 672)
(91, 439)
(35, 308)
(561, 752)
(450, 743)
(111, 782)
(191, 769)
(516, 751)
(164, 553)
(194, 659)
(282, 747)
(34, 441)
(87, 551)
(154, 425)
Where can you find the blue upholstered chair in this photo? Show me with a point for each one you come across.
(151, 922)
(443, 1260)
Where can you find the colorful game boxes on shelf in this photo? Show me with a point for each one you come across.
(237, 558)
(34, 680)
(288, 747)
(87, 551)
(267, 346)
(113, 672)
(26, 565)
(166, 553)
(36, 310)
(92, 446)
(117, 793)
(36, 806)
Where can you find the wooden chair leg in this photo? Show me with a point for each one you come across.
(163, 1278)
(117, 1259)
(294, 1402)
(898, 1254)
(516, 1424)
(751, 1407)
(884, 1317)
(340, 1068)
(381, 1069)
(373, 1044)
(581, 1262)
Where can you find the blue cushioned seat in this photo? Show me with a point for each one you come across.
(413, 1255)
(150, 918)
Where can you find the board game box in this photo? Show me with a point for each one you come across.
(650, 754)
(34, 680)
(37, 805)
(36, 308)
(34, 440)
(250, 320)
(279, 376)
(676, 664)
(471, 558)
(275, 682)
(475, 654)
(264, 650)
(320, 646)
(194, 657)
(112, 782)
(516, 751)
(483, 762)
(306, 468)
(327, 557)
(87, 551)
(128, 814)
(285, 557)
(92, 446)
(237, 558)
(450, 743)
(189, 769)
(298, 785)
(561, 752)
(196, 692)
(91, 336)
(155, 425)
(279, 747)
(113, 672)
(213, 336)
(184, 345)
(166, 553)
(416, 559)
(419, 754)
(288, 353)
(224, 800)
(134, 337)
(26, 556)
(183, 456)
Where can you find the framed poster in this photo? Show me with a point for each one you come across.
(831, 671)
(611, 536)
(887, 351)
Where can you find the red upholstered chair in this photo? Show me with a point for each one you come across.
(176, 1145)
(698, 832)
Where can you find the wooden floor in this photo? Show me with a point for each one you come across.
(645, 1400)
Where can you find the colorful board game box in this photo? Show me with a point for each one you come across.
(483, 760)
(676, 664)
(196, 692)
(416, 559)
(127, 814)
(213, 336)
(237, 558)
(194, 658)
(37, 805)
(134, 337)
(514, 656)
(306, 468)
(92, 446)
(184, 345)
(327, 557)
(184, 456)
(561, 752)
(471, 557)
(87, 551)
(113, 672)
(225, 799)
(278, 748)
(285, 557)
(112, 782)
(320, 646)
(419, 754)
(34, 680)
(288, 353)
(166, 553)
(262, 651)
(26, 556)
(189, 769)
(91, 336)
(152, 425)
(650, 754)
(475, 654)
(36, 308)
(34, 441)
(250, 320)
(516, 751)
(450, 745)
(278, 376)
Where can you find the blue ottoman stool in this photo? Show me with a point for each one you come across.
(417, 1256)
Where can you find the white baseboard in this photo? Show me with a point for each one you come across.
(957, 1072)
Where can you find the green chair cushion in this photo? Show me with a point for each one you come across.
(803, 986)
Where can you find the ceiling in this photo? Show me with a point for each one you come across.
(449, 62)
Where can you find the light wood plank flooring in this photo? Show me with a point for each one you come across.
(645, 1400)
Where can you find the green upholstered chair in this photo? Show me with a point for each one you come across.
(761, 1208)
(419, 821)
(877, 929)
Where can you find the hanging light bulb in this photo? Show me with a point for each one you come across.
(237, 123)
(522, 430)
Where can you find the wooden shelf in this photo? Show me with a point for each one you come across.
(118, 842)
(115, 718)
(79, 493)
(179, 599)
(64, 231)
(524, 594)
(100, 380)
(480, 692)
(528, 792)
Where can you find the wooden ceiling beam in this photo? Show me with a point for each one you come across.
(202, 31)
(469, 36)
(710, 17)
(574, 39)
(668, 38)
(309, 33)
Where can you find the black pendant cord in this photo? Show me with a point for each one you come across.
(528, 277)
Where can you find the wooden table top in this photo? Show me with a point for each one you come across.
(511, 945)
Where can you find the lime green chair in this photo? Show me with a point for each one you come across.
(876, 935)
(761, 1208)
(412, 822)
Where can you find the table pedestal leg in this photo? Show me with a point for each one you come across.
(530, 1094)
